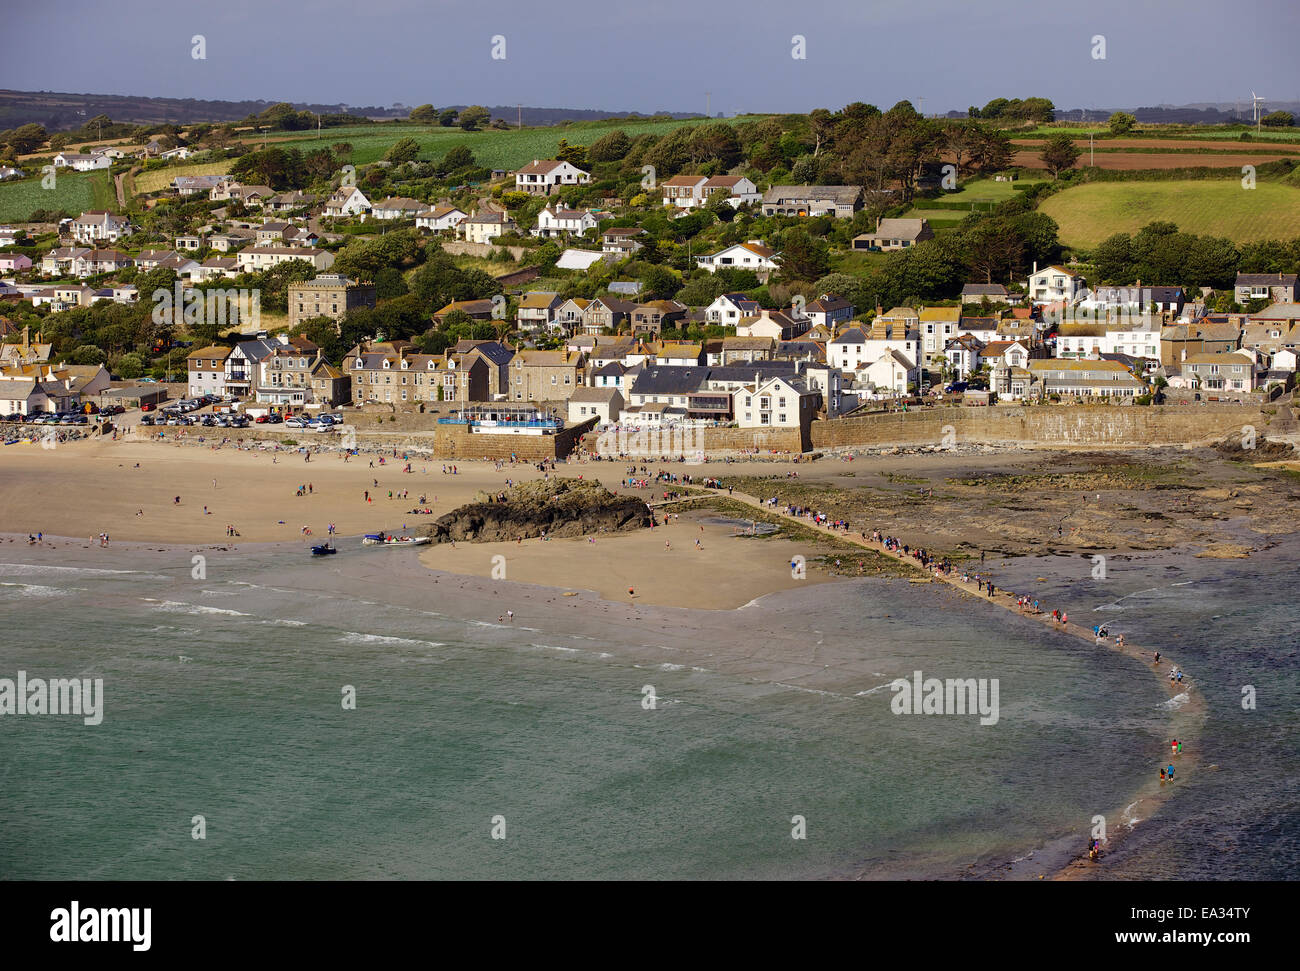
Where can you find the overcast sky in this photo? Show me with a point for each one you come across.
(649, 55)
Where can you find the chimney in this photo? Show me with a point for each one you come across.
(1035, 270)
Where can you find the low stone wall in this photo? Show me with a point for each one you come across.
(1050, 425)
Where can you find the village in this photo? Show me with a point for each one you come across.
(756, 333)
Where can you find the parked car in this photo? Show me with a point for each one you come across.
(297, 423)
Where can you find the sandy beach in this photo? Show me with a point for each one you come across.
(662, 565)
(128, 490)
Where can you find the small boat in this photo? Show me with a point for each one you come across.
(323, 549)
(387, 539)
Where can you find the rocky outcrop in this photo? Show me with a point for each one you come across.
(555, 507)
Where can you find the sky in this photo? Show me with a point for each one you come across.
(651, 55)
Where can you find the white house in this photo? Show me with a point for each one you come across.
(684, 191)
(730, 309)
(848, 351)
(1055, 284)
(891, 373)
(558, 222)
(604, 403)
(255, 259)
(207, 370)
(347, 200)
(829, 311)
(775, 324)
(1011, 354)
(397, 207)
(963, 354)
(540, 177)
(775, 403)
(439, 218)
(100, 225)
(752, 255)
(486, 226)
(80, 162)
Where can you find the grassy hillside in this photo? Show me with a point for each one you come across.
(495, 149)
(74, 192)
(162, 178)
(1087, 214)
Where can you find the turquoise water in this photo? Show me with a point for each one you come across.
(223, 698)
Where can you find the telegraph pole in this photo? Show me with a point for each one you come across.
(708, 104)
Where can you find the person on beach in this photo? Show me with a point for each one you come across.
(1162, 775)
(1157, 657)
(1180, 748)
(1173, 747)
(1170, 772)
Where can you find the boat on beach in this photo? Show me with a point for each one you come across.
(387, 539)
(323, 549)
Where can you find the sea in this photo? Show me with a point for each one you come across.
(267, 716)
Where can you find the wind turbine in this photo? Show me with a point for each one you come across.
(1255, 102)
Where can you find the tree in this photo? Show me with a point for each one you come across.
(455, 318)
(1278, 119)
(802, 256)
(660, 283)
(473, 116)
(1113, 258)
(129, 366)
(447, 117)
(403, 150)
(459, 157)
(26, 139)
(1121, 123)
(991, 150)
(716, 143)
(1059, 154)
(612, 147)
(424, 115)
(389, 284)
(88, 354)
(575, 155)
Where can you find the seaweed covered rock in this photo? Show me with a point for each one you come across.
(554, 507)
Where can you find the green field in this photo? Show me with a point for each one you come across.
(1087, 214)
(985, 190)
(162, 178)
(1172, 132)
(938, 218)
(494, 149)
(75, 192)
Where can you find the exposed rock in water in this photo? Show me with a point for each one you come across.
(558, 507)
